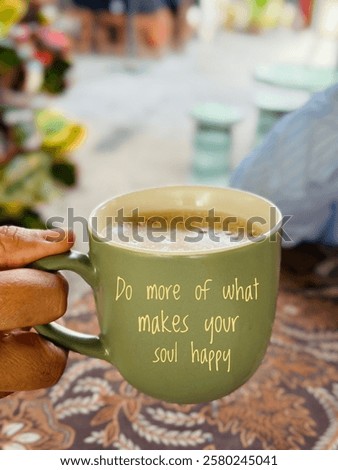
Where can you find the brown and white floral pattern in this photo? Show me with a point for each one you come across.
(290, 403)
(32, 424)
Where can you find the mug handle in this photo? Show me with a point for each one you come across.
(89, 345)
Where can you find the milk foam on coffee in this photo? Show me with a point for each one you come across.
(173, 232)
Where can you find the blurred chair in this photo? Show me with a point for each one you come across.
(213, 141)
(319, 70)
(297, 76)
(272, 106)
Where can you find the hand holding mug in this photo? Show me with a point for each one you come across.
(185, 322)
(28, 298)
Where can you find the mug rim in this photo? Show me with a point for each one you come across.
(206, 251)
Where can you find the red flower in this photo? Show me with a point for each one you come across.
(46, 58)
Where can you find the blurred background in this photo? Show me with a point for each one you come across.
(103, 97)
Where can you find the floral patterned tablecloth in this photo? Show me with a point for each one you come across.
(291, 402)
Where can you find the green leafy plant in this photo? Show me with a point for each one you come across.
(35, 144)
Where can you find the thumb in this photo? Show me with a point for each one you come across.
(20, 246)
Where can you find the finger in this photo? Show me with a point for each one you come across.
(29, 297)
(20, 246)
(3, 395)
(29, 362)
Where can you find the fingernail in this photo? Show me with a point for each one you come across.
(70, 237)
(60, 235)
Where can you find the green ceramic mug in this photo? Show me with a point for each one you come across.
(184, 327)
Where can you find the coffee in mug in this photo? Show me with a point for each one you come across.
(179, 231)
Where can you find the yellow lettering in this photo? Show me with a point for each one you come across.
(248, 294)
(144, 323)
(176, 323)
(185, 324)
(219, 324)
(229, 292)
(166, 355)
(123, 288)
(151, 290)
(162, 323)
(212, 358)
(238, 290)
(156, 355)
(256, 284)
(235, 291)
(201, 290)
(155, 325)
(176, 292)
(164, 320)
(162, 292)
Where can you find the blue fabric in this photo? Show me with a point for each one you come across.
(142, 6)
(131, 6)
(296, 167)
(171, 4)
(95, 5)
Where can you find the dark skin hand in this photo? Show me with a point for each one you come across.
(29, 297)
